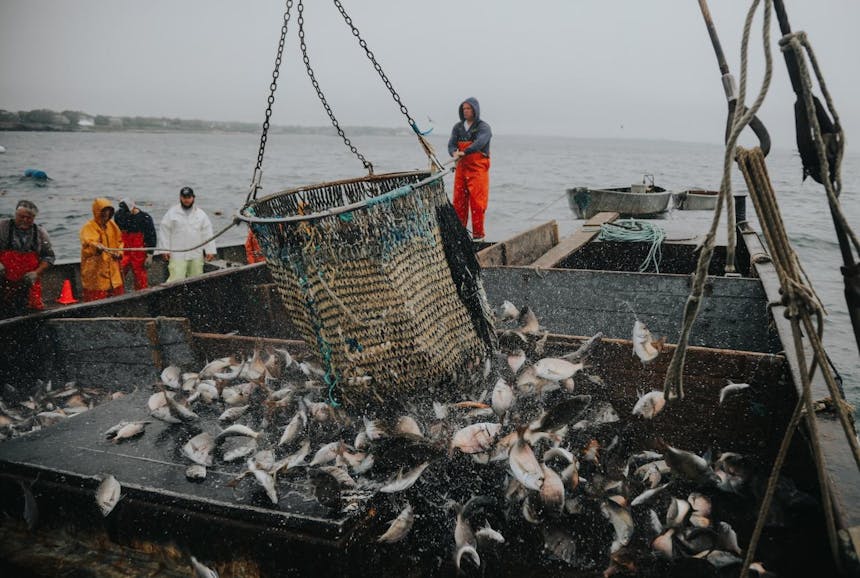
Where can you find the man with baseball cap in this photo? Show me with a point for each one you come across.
(186, 232)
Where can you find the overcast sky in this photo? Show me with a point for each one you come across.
(588, 68)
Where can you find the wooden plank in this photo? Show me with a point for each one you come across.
(574, 242)
(119, 352)
(492, 256)
(575, 302)
(214, 345)
(838, 457)
(526, 247)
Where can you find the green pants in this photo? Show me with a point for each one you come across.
(180, 269)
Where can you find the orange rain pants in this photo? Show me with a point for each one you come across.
(472, 188)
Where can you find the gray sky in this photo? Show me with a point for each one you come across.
(589, 68)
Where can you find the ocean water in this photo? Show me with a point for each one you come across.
(529, 176)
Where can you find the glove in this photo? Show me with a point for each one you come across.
(30, 278)
(148, 261)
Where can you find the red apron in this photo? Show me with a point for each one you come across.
(472, 188)
(134, 259)
(15, 294)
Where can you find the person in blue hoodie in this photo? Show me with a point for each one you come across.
(470, 145)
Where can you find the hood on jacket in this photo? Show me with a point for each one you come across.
(475, 106)
(99, 204)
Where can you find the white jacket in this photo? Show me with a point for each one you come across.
(181, 229)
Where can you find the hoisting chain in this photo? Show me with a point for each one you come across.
(258, 170)
(378, 67)
(301, 20)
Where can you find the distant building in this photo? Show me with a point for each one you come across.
(86, 121)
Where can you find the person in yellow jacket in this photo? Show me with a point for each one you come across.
(100, 261)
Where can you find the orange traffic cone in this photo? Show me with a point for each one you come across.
(66, 296)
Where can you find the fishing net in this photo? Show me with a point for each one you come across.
(380, 279)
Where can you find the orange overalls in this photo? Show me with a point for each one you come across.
(17, 263)
(472, 188)
(135, 260)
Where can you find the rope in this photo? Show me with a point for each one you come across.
(235, 222)
(673, 384)
(633, 231)
(801, 303)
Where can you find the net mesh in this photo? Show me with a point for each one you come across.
(375, 291)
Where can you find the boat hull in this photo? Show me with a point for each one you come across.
(586, 202)
(695, 200)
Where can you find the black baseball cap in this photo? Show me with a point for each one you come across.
(187, 192)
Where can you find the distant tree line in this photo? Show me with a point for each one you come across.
(44, 119)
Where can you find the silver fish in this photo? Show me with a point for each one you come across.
(552, 489)
(556, 369)
(404, 480)
(525, 466)
(407, 424)
(508, 311)
(487, 534)
(644, 346)
(690, 466)
(647, 495)
(170, 376)
(178, 410)
(663, 544)
(621, 521)
(265, 479)
(238, 429)
(650, 404)
(202, 571)
(108, 494)
(130, 430)
(31, 508)
(237, 448)
(195, 472)
(502, 398)
(292, 430)
(327, 453)
(464, 542)
(476, 438)
(163, 414)
(199, 449)
(233, 413)
(399, 527)
(730, 389)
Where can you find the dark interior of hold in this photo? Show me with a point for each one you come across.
(163, 510)
(676, 258)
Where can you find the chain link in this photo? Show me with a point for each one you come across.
(376, 65)
(255, 179)
(301, 21)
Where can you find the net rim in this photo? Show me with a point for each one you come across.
(428, 177)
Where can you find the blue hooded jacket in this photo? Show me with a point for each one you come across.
(479, 133)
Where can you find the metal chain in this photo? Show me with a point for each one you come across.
(258, 170)
(376, 65)
(301, 21)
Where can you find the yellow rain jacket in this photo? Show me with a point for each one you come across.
(99, 269)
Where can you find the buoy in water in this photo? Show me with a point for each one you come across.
(37, 174)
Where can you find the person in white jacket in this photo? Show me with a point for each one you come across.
(185, 226)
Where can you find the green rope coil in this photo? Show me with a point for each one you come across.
(633, 231)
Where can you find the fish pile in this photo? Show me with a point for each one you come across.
(44, 405)
(525, 464)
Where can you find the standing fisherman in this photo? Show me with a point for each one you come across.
(100, 237)
(25, 252)
(138, 231)
(470, 145)
(185, 226)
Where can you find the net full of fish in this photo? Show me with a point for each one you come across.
(523, 464)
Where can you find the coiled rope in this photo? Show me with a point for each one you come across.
(633, 231)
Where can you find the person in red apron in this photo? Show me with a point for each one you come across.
(470, 145)
(25, 252)
(138, 231)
